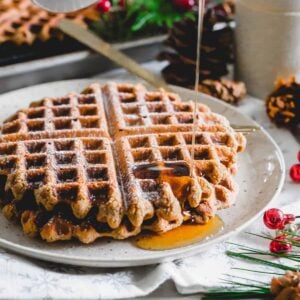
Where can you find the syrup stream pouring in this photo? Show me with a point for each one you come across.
(95, 43)
(201, 7)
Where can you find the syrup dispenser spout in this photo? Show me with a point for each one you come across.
(63, 6)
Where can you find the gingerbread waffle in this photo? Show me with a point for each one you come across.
(69, 116)
(58, 162)
(62, 226)
(77, 172)
(22, 22)
(137, 111)
(152, 202)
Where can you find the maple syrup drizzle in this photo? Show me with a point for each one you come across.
(179, 176)
(201, 7)
(176, 174)
(184, 235)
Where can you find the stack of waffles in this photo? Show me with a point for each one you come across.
(22, 22)
(68, 165)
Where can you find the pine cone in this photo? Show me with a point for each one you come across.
(286, 287)
(283, 105)
(216, 47)
(228, 90)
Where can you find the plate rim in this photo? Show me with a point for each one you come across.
(46, 255)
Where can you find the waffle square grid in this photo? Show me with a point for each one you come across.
(72, 115)
(67, 164)
(136, 111)
(212, 185)
(23, 23)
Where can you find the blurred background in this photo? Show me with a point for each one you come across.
(164, 30)
(245, 45)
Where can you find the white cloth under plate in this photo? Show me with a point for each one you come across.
(24, 278)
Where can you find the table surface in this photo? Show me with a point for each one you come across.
(249, 107)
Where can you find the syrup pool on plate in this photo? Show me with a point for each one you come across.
(178, 176)
(181, 236)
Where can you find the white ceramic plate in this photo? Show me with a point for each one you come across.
(260, 177)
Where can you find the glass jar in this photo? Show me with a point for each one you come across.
(267, 43)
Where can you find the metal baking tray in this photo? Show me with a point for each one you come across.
(78, 64)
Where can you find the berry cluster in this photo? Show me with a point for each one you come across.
(105, 6)
(185, 4)
(295, 170)
(285, 230)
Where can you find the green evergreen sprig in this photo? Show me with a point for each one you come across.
(294, 239)
(240, 288)
(138, 18)
(159, 13)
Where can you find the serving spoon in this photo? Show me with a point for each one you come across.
(63, 6)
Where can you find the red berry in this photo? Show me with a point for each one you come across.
(122, 3)
(279, 245)
(103, 6)
(184, 4)
(274, 218)
(295, 172)
(289, 218)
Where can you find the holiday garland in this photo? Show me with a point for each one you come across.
(284, 283)
(125, 20)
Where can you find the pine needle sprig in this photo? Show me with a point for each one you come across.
(240, 290)
(239, 287)
(290, 241)
(292, 255)
(260, 261)
(257, 271)
(294, 235)
(259, 284)
(237, 294)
